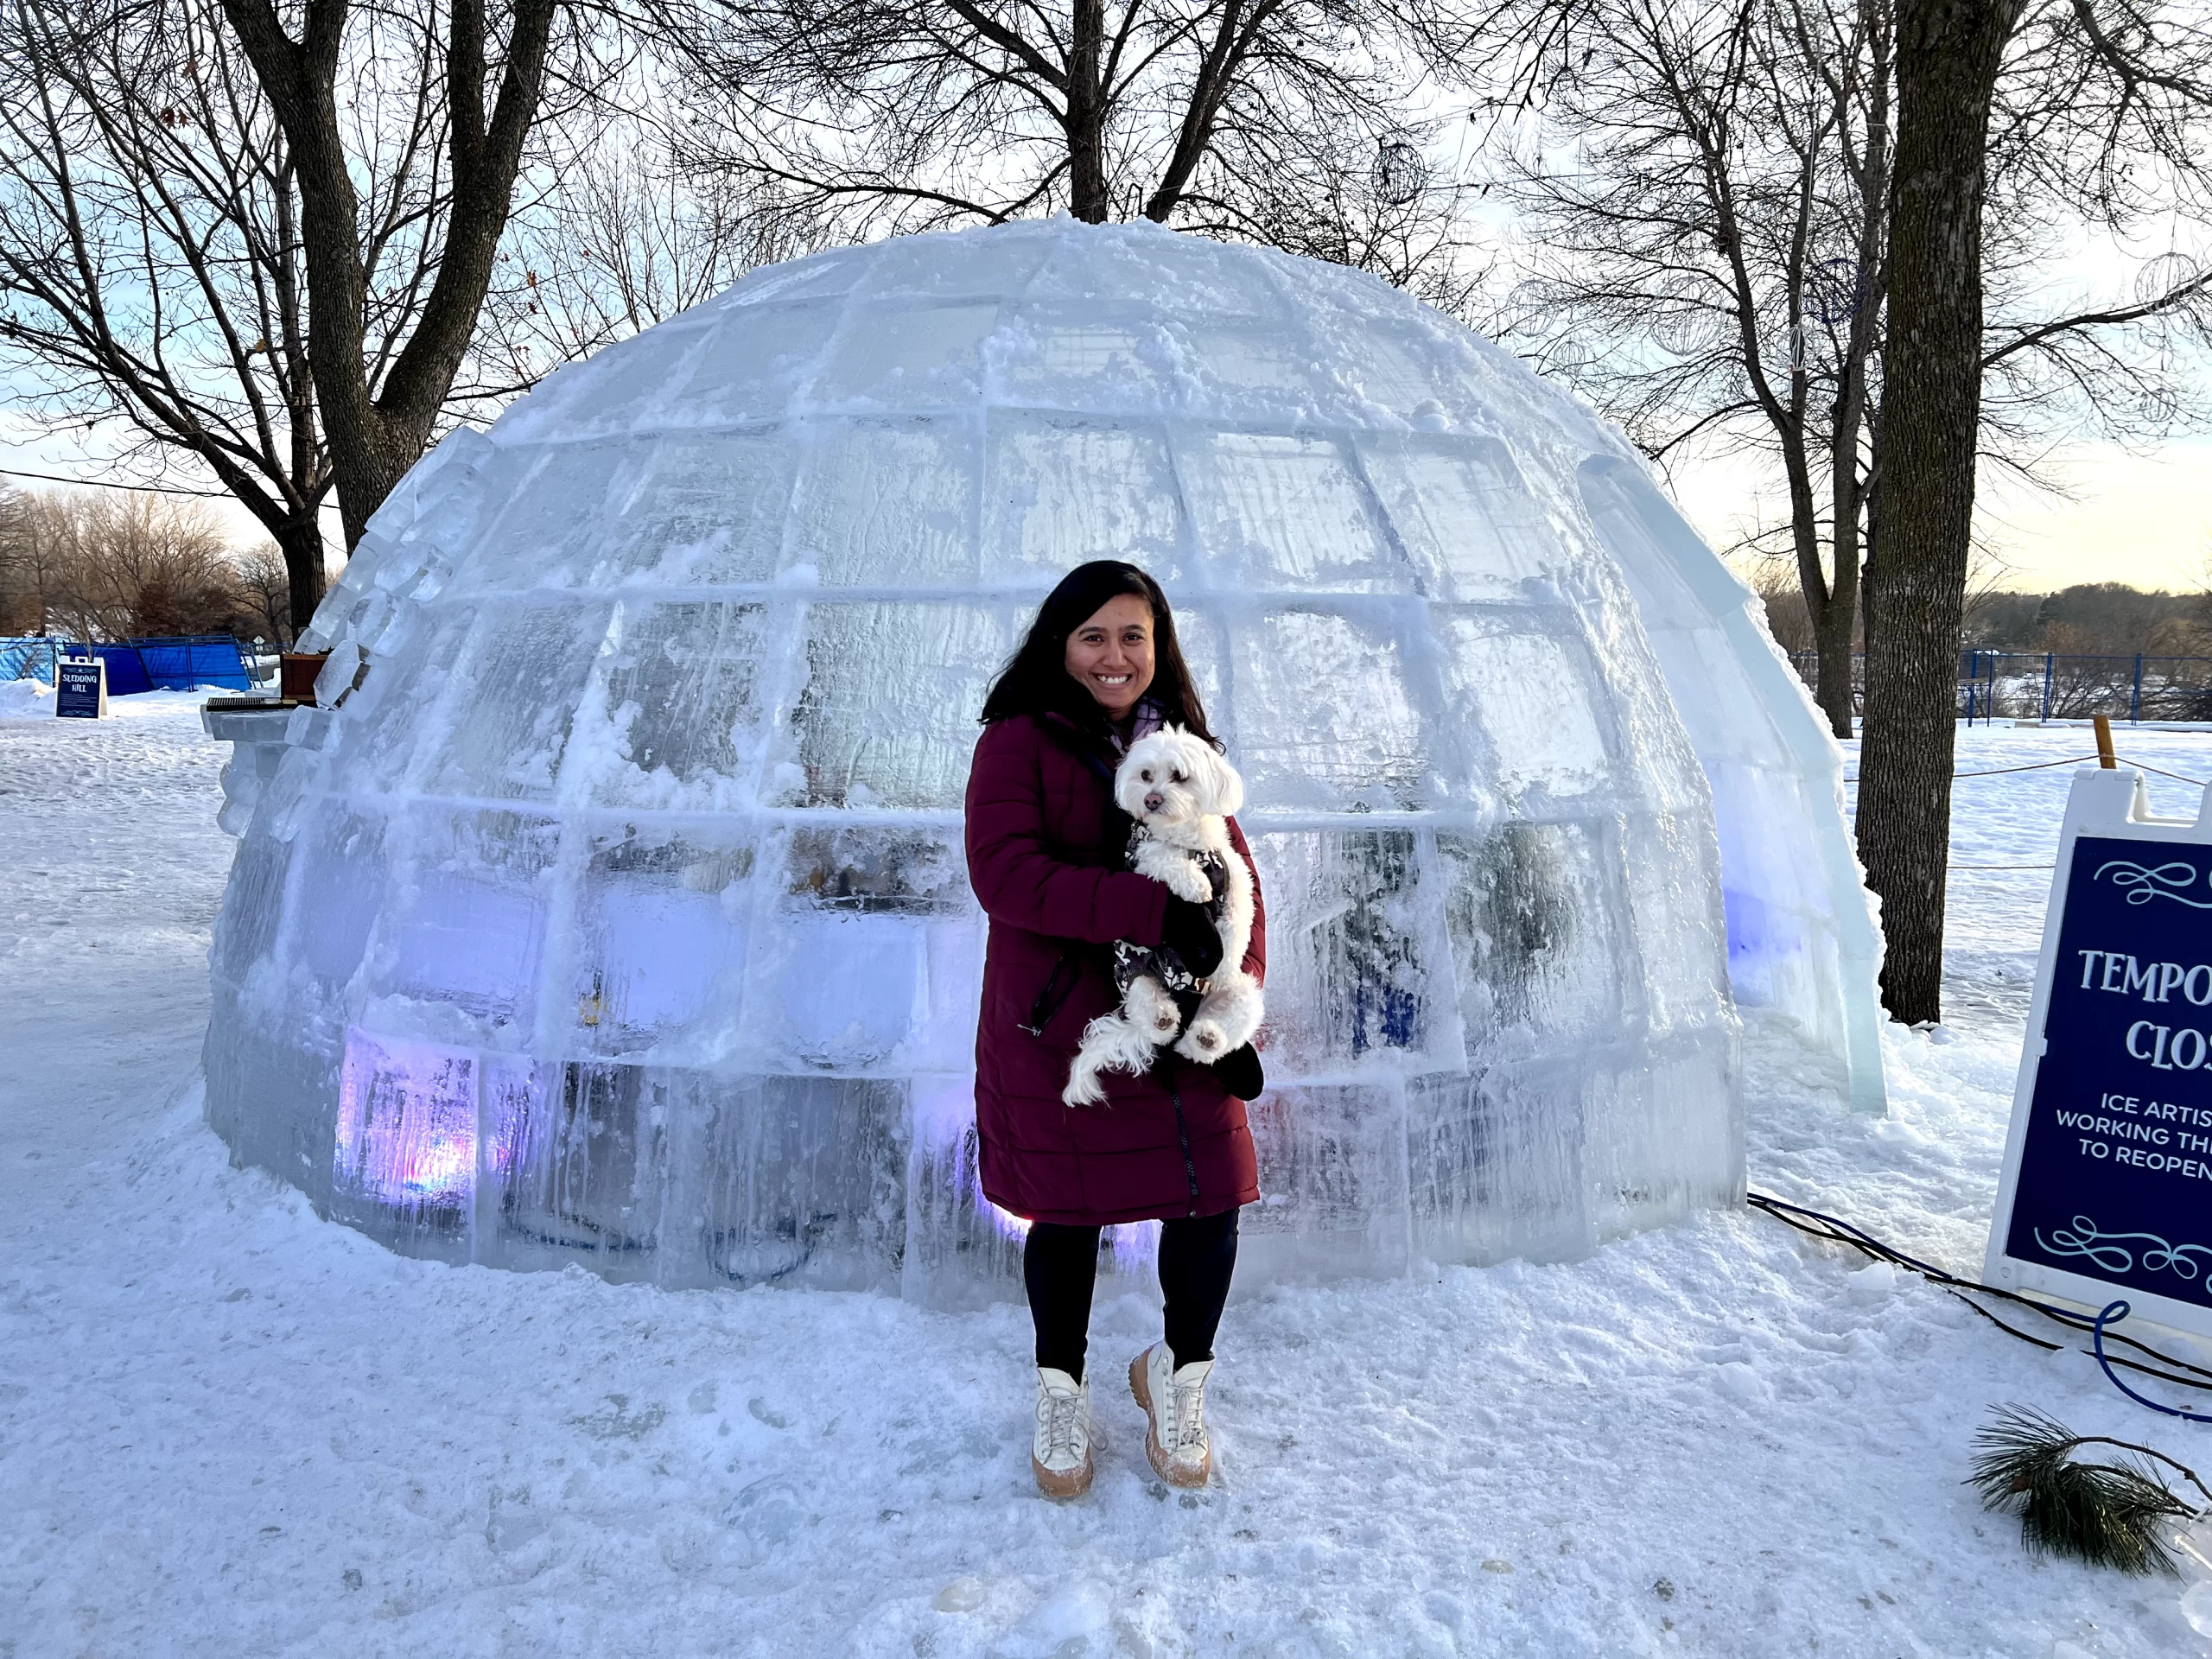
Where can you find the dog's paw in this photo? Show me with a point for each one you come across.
(1205, 1042)
(1083, 1093)
(1152, 1015)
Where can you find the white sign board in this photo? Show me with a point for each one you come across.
(2107, 1186)
(80, 688)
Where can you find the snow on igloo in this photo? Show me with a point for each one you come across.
(616, 913)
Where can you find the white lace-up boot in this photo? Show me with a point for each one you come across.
(1059, 1452)
(1174, 1402)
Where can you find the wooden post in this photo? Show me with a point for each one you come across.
(2104, 756)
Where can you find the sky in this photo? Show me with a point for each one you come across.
(2143, 518)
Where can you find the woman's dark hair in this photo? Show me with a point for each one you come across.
(1036, 680)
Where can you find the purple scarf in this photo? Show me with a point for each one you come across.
(1149, 718)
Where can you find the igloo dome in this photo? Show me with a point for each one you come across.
(612, 908)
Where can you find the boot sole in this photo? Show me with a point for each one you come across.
(1074, 1483)
(1162, 1464)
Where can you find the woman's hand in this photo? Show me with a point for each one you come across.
(1189, 933)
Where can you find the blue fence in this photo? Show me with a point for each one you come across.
(167, 664)
(2048, 685)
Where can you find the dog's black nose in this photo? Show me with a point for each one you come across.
(1154, 801)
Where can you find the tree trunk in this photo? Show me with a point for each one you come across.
(1948, 52)
(1831, 608)
(1833, 640)
(300, 540)
(1836, 634)
(1851, 484)
(1086, 113)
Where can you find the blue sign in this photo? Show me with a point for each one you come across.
(79, 688)
(2109, 1173)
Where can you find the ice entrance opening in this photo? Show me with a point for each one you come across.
(618, 915)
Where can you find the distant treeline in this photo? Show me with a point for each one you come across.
(115, 565)
(2089, 619)
(2094, 618)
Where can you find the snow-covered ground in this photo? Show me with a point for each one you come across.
(230, 1428)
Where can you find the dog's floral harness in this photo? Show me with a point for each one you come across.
(1135, 962)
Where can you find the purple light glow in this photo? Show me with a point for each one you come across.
(944, 1115)
(406, 1123)
(1134, 1245)
(945, 1118)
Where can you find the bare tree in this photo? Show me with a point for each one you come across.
(264, 596)
(271, 250)
(2100, 103)
(1720, 220)
(2126, 85)
(1260, 119)
(23, 593)
(149, 254)
(468, 82)
(1706, 193)
(625, 236)
(122, 567)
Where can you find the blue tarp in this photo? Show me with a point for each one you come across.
(202, 659)
(172, 664)
(126, 673)
(167, 664)
(27, 657)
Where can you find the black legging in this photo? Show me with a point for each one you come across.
(1059, 1265)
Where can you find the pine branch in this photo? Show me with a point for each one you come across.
(2106, 1514)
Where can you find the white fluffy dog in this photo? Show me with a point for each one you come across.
(1181, 792)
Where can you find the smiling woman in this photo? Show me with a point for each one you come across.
(1100, 668)
(1102, 643)
(1111, 653)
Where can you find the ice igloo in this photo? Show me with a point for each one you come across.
(612, 908)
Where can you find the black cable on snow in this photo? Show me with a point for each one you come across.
(1831, 1230)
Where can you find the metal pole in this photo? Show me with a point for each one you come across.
(2135, 703)
(2048, 659)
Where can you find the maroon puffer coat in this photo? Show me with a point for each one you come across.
(1040, 816)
